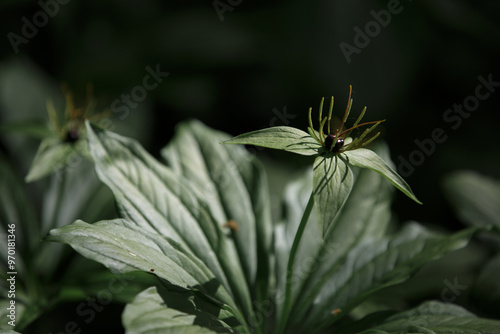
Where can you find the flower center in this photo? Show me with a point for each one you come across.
(333, 144)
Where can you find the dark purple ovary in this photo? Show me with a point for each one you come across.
(330, 139)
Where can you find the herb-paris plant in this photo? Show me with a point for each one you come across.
(201, 224)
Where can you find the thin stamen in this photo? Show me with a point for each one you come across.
(371, 139)
(356, 141)
(360, 116)
(359, 125)
(330, 115)
(311, 126)
(321, 118)
(347, 110)
(321, 126)
(53, 115)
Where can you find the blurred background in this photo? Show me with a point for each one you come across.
(242, 65)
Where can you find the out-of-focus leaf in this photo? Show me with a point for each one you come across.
(475, 198)
(486, 288)
(54, 155)
(33, 129)
(436, 317)
(375, 264)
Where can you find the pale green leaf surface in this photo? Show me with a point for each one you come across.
(122, 248)
(365, 214)
(152, 196)
(365, 158)
(436, 317)
(332, 181)
(234, 186)
(295, 198)
(375, 264)
(166, 311)
(280, 138)
(474, 197)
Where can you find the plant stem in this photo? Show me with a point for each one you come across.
(287, 305)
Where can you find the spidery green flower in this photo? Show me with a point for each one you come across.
(340, 141)
(335, 150)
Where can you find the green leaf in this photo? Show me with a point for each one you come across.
(54, 155)
(123, 247)
(16, 209)
(234, 185)
(474, 197)
(365, 158)
(280, 138)
(152, 196)
(167, 311)
(295, 199)
(365, 214)
(332, 182)
(486, 288)
(375, 264)
(191, 207)
(436, 317)
(34, 129)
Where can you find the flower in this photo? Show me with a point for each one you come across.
(340, 141)
(335, 151)
(65, 141)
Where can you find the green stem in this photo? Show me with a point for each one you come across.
(287, 305)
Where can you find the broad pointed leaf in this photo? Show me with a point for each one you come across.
(365, 158)
(280, 138)
(332, 182)
(122, 247)
(52, 156)
(376, 264)
(475, 198)
(234, 186)
(167, 311)
(436, 317)
(296, 196)
(365, 214)
(152, 196)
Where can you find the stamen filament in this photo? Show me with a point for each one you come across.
(347, 111)
(330, 114)
(321, 118)
(348, 131)
(311, 126)
(371, 139)
(321, 132)
(360, 116)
